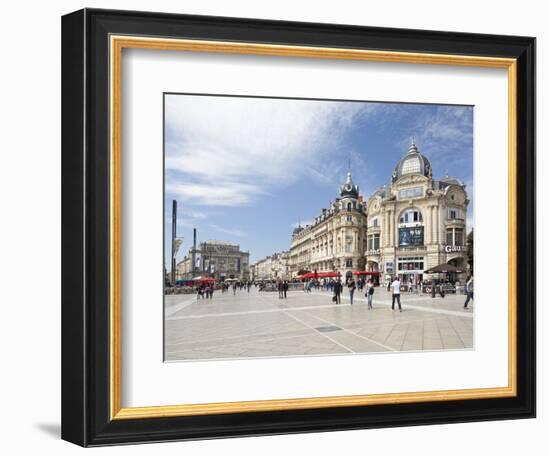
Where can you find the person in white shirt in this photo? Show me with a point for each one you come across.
(396, 293)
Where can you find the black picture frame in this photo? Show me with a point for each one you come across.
(85, 228)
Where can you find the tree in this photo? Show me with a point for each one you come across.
(470, 250)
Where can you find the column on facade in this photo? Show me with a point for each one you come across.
(438, 226)
(388, 228)
(431, 223)
(385, 230)
(392, 226)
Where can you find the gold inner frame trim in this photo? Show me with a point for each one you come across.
(117, 44)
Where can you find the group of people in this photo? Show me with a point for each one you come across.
(395, 288)
(337, 289)
(244, 285)
(205, 291)
(282, 288)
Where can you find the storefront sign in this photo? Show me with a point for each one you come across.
(455, 248)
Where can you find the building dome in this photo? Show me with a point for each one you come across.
(412, 163)
(297, 230)
(349, 189)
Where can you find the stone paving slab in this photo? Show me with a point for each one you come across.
(251, 325)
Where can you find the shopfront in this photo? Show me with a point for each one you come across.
(410, 269)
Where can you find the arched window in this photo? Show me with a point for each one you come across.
(411, 165)
(410, 216)
(349, 206)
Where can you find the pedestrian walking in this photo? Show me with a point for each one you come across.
(410, 286)
(280, 289)
(396, 293)
(351, 289)
(337, 292)
(285, 288)
(469, 292)
(369, 293)
(234, 288)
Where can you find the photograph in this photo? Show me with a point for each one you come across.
(283, 224)
(314, 227)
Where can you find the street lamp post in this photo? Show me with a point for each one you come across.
(173, 262)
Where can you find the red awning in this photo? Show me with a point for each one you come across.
(204, 279)
(319, 275)
(372, 273)
(307, 275)
(328, 274)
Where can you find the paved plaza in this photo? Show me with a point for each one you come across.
(259, 324)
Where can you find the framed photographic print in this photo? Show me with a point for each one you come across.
(278, 227)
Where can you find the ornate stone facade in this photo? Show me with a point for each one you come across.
(272, 267)
(403, 229)
(336, 240)
(217, 259)
(417, 222)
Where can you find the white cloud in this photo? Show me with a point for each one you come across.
(230, 231)
(227, 193)
(227, 151)
(188, 218)
(444, 136)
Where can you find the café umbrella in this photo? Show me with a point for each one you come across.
(444, 268)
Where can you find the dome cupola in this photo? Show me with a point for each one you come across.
(412, 163)
(349, 189)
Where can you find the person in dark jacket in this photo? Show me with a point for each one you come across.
(338, 291)
(285, 288)
(469, 292)
(351, 289)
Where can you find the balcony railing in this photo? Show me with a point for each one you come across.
(458, 220)
(411, 248)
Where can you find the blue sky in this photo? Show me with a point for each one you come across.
(247, 170)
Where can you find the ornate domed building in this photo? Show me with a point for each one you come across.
(335, 241)
(417, 222)
(412, 163)
(414, 223)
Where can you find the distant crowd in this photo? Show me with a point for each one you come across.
(337, 288)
